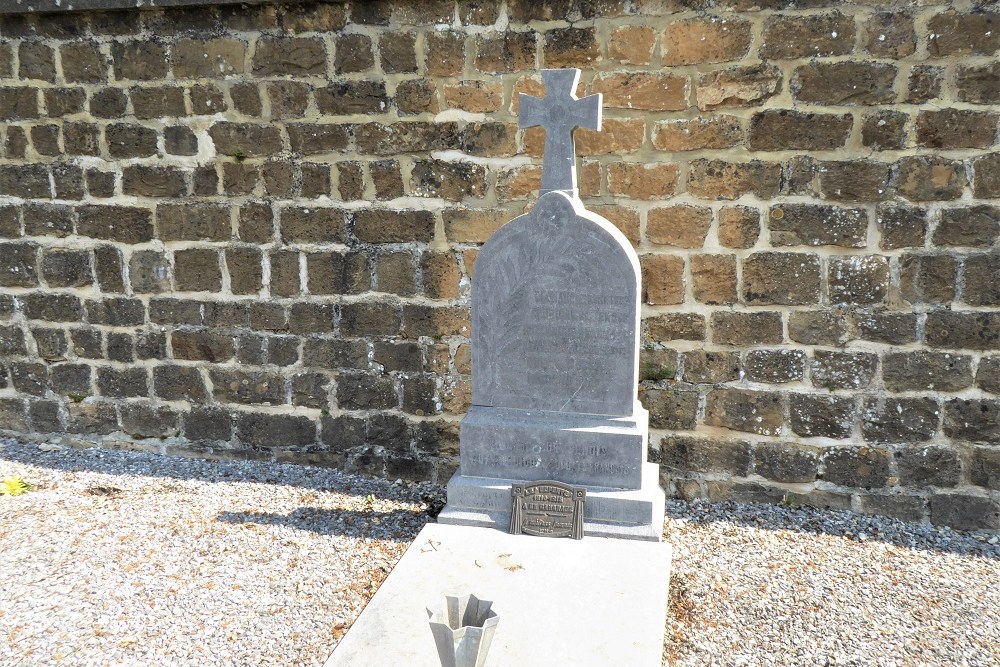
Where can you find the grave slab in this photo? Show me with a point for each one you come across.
(591, 602)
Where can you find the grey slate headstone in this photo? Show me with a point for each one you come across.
(555, 351)
(555, 314)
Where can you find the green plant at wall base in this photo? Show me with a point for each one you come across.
(656, 373)
(239, 155)
(790, 500)
(14, 486)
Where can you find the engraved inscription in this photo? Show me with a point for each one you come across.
(547, 509)
(555, 315)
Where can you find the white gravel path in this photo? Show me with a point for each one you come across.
(120, 558)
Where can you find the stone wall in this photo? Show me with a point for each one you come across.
(249, 231)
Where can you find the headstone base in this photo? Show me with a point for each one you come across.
(623, 513)
(512, 443)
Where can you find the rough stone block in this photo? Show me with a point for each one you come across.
(843, 370)
(965, 512)
(774, 366)
(793, 37)
(860, 467)
(928, 466)
(741, 410)
(847, 83)
(926, 371)
(708, 367)
(812, 415)
(746, 328)
(293, 56)
(744, 86)
(815, 225)
(787, 129)
(684, 453)
(786, 462)
(673, 408)
(274, 430)
(781, 278)
(972, 420)
(900, 420)
(860, 279)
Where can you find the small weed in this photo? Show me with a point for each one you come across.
(14, 486)
(76, 398)
(656, 373)
(239, 155)
(370, 500)
(790, 500)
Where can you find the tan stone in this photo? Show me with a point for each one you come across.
(738, 87)
(465, 225)
(519, 182)
(683, 226)
(214, 58)
(716, 179)
(632, 44)
(615, 137)
(457, 398)
(463, 359)
(705, 40)
(441, 275)
(642, 90)
(739, 227)
(625, 219)
(438, 356)
(589, 179)
(469, 259)
(698, 134)
(713, 278)
(643, 181)
(474, 96)
(662, 279)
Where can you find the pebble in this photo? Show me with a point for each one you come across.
(769, 585)
(124, 558)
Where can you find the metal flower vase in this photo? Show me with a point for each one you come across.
(463, 630)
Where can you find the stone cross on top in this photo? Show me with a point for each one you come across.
(560, 112)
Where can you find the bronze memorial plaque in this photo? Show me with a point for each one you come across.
(547, 509)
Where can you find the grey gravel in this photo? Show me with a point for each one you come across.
(767, 585)
(120, 558)
(123, 558)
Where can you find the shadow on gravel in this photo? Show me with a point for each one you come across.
(397, 526)
(122, 462)
(834, 523)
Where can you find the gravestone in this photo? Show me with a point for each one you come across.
(555, 313)
(555, 351)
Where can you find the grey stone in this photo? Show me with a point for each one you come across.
(536, 445)
(555, 304)
(555, 347)
(589, 602)
(559, 112)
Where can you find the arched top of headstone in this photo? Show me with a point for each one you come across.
(555, 315)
